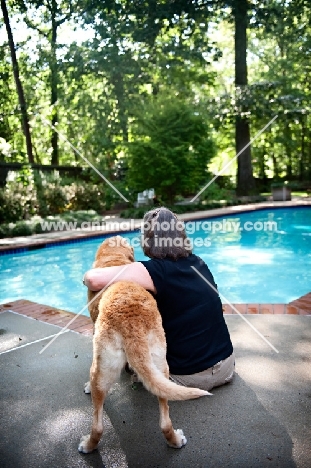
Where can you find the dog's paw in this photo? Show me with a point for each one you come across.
(180, 440)
(87, 387)
(85, 445)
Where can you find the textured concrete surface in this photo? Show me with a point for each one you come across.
(43, 409)
(262, 419)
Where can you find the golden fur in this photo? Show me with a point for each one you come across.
(128, 328)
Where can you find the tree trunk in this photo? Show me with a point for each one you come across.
(276, 171)
(288, 150)
(245, 178)
(54, 87)
(118, 83)
(302, 161)
(19, 87)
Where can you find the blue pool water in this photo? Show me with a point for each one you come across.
(249, 264)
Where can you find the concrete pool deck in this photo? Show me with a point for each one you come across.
(262, 419)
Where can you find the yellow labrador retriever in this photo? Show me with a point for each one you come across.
(128, 328)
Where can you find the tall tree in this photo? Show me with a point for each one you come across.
(283, 31)
(245, 179)
(19, 86)
(46, 17)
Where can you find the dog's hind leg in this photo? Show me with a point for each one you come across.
(174, 438)
(105, 371)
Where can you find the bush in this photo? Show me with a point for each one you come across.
(21, 229)
(87, 197)
(5, 231)
(10, 208)
(45, 195)
(17, 202)
(53, 199)
(37, 228)
(215, 193)
(171, 149)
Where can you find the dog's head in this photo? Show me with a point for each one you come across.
(114, 251)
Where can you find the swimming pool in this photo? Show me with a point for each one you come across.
(252, 262)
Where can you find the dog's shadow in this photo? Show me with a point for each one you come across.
(230, 426)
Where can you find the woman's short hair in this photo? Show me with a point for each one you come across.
(164, 235)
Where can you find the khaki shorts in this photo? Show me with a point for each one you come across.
(220, 374)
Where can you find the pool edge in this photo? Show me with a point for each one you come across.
(38, 241)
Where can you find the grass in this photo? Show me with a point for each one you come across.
(302, 194)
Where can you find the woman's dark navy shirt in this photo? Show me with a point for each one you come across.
(196, 333)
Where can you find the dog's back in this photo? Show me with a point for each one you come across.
(130, 323)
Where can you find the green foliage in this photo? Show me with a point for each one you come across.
(10, 208)
(34, 224)
(4, 231)
(88, 197)
(215, 193)
(171, 148)
(21, 229)
(17, 201)
(51, 196)
(45, 195)
(142, 49)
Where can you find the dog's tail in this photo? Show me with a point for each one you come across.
(156, 382)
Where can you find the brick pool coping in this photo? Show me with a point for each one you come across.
(83, 324)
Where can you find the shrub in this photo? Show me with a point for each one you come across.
(37, 228)
(52, 196)
(171, 149)
(21, 229)
(4, 231)
(10, 208)
(215, 193)
(53, 199)
(87, 197)
(17, 202)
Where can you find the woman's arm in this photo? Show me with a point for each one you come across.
(97, 278)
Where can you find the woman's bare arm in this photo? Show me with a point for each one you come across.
(97, 278)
